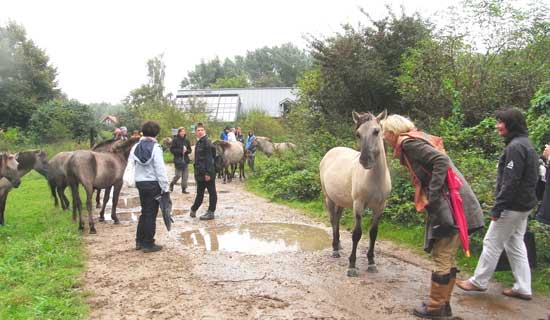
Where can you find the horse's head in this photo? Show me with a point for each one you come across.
(124, 147)
(8, 168)
(33, 160)
(265, 145)
(369, 134)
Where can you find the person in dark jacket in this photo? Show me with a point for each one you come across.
(180, 148)
(515, 199)
(543, 214)
(428, 169)
(151, 181)
(205, 174)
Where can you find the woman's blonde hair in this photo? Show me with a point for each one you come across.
(397, 124)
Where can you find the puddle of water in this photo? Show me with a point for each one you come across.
(258, 238)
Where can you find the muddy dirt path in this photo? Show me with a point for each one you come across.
(186, 281)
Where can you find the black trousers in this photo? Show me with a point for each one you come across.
(145, 233)
(212, 195)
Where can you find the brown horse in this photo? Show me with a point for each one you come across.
(104, 146)
(8, 168)
(27, 161)
(231, 155)
(97, 170)
(57, 177)
(358, 180)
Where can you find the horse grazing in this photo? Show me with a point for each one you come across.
(231, 154)
(358, 180)
(97, 170)
(27, 161)
(8, 168)
(57, 177)
(265, 145)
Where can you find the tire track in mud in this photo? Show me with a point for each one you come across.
(182, 282)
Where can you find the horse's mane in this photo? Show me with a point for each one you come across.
(126, 145)
(363, 117)
(264, 138)
(223, 144)
(103, 143)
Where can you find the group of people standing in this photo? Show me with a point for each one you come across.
(517, 178)
(234, 134)
(152, 180)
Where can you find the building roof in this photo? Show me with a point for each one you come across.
(113, 119)
(239, 100)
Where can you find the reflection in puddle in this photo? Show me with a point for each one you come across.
(258, 238)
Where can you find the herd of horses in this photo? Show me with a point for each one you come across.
(349, 178)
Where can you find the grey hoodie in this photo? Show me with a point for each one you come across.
(149, 162)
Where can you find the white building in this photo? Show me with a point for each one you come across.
(226, 104)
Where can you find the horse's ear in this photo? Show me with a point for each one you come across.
(382, 116)
(355, 117)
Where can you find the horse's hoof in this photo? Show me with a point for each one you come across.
(352, 272)
(92, 231)
(117, 222)
(101, 219)
(372, 268)
(335, 254)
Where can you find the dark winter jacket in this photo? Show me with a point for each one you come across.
(205, 153)
(543, 215)
(177, 150)
(430, 166)
(517, 176)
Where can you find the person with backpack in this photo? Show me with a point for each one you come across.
(205, 174)
(428, 165)
(515, 199)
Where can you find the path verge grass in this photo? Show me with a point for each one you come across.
(409, 236)
(41, 257)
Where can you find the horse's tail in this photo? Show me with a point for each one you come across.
(52, 185)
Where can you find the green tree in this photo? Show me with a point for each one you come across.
(27, 79)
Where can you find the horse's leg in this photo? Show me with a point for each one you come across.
(358, 208)
(116, 194)
(334, 213)
(89, 208)
(77, 206)
(241, 169)
(98, 198)
(105, 200)
(373, 233)
(53, 192)
(63, 198)
(3, 200)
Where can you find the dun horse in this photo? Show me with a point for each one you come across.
(97, 170)
(27, 161)
(265, 145)
(357, 180)
(232, 154)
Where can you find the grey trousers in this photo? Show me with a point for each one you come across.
(184, 175)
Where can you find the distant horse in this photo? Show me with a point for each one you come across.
(57, 177)
(265, 145)
(358, 180)
(232, 155)
(27, 161)
(8, 168)
(98, 170)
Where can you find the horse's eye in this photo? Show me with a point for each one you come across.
(357, 135)
(376, 131)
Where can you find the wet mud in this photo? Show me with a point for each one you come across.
(295, 278)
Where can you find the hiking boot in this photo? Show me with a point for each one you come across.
(209, 215)
(152, 248)
(138, 245)
(171, 187)
(192, 213)
(438, 305)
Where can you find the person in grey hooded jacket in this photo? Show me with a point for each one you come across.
(151, 180)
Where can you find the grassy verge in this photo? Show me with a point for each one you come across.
(41, 257)
(408, 236)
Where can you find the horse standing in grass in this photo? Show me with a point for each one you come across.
(358, 180)
(97, 170)
(27, 161)
(265, 145)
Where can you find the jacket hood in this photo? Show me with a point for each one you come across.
(144, 150)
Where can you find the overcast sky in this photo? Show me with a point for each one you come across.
(100, 48)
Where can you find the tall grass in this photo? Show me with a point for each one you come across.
(41, 257)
